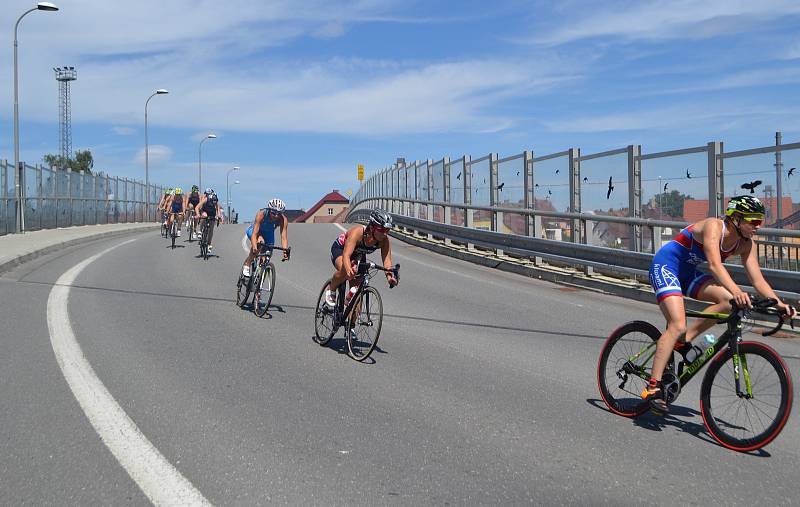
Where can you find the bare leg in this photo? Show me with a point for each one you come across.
(721, 299)
(674, 311)
(340, 275)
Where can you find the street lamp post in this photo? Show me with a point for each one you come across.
(228, 188)
(160, 91)
(229, 204)
(200, 159)
(41, 6)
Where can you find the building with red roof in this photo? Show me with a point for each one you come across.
(331, 208)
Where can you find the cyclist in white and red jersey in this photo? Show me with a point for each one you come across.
(355, 244)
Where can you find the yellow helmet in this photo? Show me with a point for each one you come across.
(178, 190)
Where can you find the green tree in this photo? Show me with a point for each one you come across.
(83, 161)
(671, 203)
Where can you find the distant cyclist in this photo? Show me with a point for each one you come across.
(262, 231)
(354, 246)
(208, 209)
(674, 273)
(175, 206)
(162, 204)
(192, 200)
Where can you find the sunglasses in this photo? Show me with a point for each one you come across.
(755, 222)
(274, 213)
(382, 230)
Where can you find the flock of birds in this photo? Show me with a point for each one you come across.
(751, 186)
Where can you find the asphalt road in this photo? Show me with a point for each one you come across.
(482, 390)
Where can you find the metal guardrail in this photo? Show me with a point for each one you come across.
(62, 198)
(600, 260)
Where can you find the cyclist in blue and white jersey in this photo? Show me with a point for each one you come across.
(262, 230)
(674, 274)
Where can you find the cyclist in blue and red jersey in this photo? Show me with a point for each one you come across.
(674, 274)
(262, 230)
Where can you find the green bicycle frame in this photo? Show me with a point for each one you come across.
(732, 336)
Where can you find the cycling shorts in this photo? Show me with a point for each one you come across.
(670, 278)
(336, 251)
(177, 207)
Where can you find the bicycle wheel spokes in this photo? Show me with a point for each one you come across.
(242, 291)
(364, 324)
(735, 419)
(324, 319)
(626, 361)
(264, 291)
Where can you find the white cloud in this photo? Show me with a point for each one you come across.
(656, 19)
(158, 153)
(123, 131)
(209, 58)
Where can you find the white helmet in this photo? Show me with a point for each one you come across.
(209, 191)
(276, 205)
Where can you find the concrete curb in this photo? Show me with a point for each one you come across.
(28, 256)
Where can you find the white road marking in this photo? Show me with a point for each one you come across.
(162, 483)
(340, 227)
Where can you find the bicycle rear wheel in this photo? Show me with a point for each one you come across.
(325, 325)
(622, 372)
(364, 324)
(264, 291)
(173, 233)
(242, 290)
(746, 423)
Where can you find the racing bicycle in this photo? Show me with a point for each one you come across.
(361, 316)
(746, 394)
(261, 281)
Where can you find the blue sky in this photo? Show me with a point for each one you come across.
(299, 92)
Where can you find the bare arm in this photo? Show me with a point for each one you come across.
(256, 229)
(753, 270)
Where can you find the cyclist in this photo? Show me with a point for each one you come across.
(262, 231)
(162, 204)
(175, 205)
(208, 208)
(674, 273)
(193, 199)
(354, 246)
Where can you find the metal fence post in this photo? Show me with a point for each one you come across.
(635, 196)
(527, 189)
(69, 194)
(469, 219)
(575, 193)
(494, 198)
(39, 200)
(446, 194)
(429, 197)
(716, 186)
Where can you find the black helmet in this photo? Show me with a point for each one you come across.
(747, 205)
(381, 218)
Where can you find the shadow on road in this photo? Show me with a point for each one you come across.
(676, 419)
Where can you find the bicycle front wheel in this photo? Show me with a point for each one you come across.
(365, 322)
(324, 318)
(265, 290)
(746, 421)
(623, 370)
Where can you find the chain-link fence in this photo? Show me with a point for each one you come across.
(54, 198)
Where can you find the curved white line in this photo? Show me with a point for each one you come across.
(155, 476)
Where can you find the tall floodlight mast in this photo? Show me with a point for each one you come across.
(64, 75)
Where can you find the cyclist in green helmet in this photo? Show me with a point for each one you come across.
(674, 273)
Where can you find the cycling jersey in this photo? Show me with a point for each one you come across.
(674, 269)
(177, 205)
(266, 230)
(210, 206)
(361, 249)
